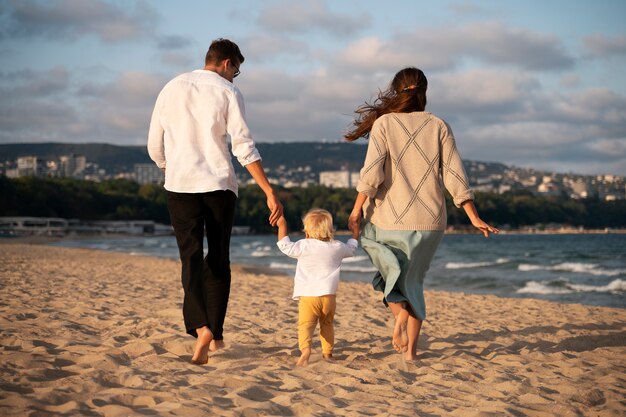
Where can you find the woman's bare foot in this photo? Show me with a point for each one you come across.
(327, 356)
(304, 357)
(400, 338)
(216, 345)
(201, 350)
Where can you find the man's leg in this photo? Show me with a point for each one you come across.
(187, 217)
(218, 217)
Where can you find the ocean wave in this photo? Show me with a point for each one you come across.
(356, 259)
(280, 265)
(261, 252)
(579, 267)
(563, 286)
(463, 265)
(358, 268)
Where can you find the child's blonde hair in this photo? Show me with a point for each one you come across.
(318, 224)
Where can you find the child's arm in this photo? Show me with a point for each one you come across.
(282, 227)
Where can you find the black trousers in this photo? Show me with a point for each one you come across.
(206, 280)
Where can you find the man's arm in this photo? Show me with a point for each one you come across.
(258, 173)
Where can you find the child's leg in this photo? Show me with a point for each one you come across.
(308, 314)
(327, 329)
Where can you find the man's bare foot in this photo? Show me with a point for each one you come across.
(201, 350)
(400, 337)
(327, 356)
(304, 357)
(216, 345)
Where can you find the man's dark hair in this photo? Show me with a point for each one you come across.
(222, 49)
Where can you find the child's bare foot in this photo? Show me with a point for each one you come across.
(216, 345)
(327, 356)
(400, 337)
(201, 350)
(304, 357)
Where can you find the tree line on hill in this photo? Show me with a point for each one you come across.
(127, 200)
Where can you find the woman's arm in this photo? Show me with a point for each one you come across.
(470, 210)
(354, 221)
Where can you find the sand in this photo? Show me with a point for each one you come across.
(92, 333)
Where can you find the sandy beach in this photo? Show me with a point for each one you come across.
(94, 333)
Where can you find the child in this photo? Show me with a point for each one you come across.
(317, 277)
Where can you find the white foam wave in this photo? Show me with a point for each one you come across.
(565, 287)
(463, 265)
(358, 268)
(533, 287)
(356, 259)
(261, 252)
(578, 267)
(279, 265)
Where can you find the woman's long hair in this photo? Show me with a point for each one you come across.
(407, 93)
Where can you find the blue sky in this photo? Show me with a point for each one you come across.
(536, 84)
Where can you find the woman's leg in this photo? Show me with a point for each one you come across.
(400, 339)
(414, 325)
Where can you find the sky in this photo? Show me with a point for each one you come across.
(536, 83)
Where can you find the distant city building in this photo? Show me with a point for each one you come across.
(30, 166)
(72, 165)
(148, 174)
(335, 179)
(11, 173)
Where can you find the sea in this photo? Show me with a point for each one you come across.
(569, 268)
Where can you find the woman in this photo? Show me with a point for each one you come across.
(411, 156)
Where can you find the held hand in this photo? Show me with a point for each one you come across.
(484, 227)
(354, 223)
(276, 209)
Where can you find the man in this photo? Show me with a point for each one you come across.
(192, 117)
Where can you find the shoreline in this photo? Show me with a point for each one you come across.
(604, 296)
(106, 338)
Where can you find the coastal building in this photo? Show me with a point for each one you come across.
(148, 174)
(339, 179)
(30, 166)
(72, 165)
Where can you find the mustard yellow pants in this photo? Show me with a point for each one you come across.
(310, 311)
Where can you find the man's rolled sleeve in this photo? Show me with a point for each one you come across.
(241, 140)
(156, 144)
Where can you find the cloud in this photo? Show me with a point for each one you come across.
(70, 19)
(599, 46)
(302, 17)
(37, 84)
(172, 42)
(482, 95)
(263, 47)
(115, 112)
(436, 49)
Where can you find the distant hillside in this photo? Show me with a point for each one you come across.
(319, 156)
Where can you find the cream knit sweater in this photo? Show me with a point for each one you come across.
(410, 158)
